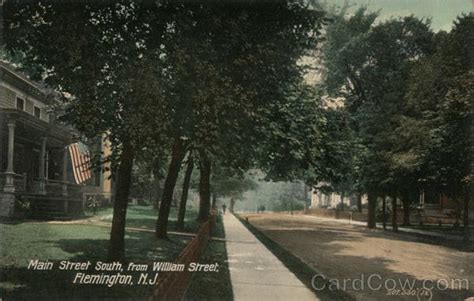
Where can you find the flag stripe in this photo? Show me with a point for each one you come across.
(77, 164)
(80, 160)
(73, 162)
(87, 165)
(84, 164)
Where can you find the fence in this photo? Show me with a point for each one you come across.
(337, 214)
(172, 285)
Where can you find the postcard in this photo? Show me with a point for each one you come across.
(236, 150)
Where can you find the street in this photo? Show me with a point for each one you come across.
(345, 252)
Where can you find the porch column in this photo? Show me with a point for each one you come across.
(42, 162)
(64, 178)
(10, 174)
(46, 170)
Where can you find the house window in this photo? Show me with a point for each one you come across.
(37, 112)
(20, 103)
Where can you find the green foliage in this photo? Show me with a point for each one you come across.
(289, 145)
(408, 96)
(246, 61)
(275, 196)
(440, 98)
(228, 81)
(368, 65)
(226, 184)
(103, 58)
(338, 162)
(152, 74)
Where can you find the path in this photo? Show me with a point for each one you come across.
(255, 273)
(380, 226)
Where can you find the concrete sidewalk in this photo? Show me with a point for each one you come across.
(255, 273)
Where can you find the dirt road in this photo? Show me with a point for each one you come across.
(371, 264)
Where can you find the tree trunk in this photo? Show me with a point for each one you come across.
(342, 201)
(466, 218)
(307, 197)
(150, 191)
(372, 208)
(359, 202)
(170, 182)
(384, 212)
(232, 204)
(394, 213)
(204, 188)
(158, 192)
(214, 201)
(184, 195)
(406, 211)
(116, 250)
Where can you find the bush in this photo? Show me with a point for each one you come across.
(22, 205)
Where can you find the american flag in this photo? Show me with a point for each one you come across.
(81, 163)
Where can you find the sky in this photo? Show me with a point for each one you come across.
(441, 12)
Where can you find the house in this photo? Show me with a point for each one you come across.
(35, 168)
(320, 199)
(432, 207)
(100, 186)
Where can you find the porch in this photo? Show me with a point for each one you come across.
(35, 168)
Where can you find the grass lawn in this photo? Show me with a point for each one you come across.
(444, 229)
(457, 243)
(24, 241)
(145, 217)
(212, 286)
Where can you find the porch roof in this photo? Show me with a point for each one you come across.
(30, 127)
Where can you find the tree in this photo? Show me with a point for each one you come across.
(368, 65)
(105, 60)
(229, 184)
(343, 55)
(244, 58)
(290, 140)
(338, 148)
(184, 195)
(440, 97)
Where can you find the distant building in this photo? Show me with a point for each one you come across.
(100, 186)
(328, 200)
(35, 166)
